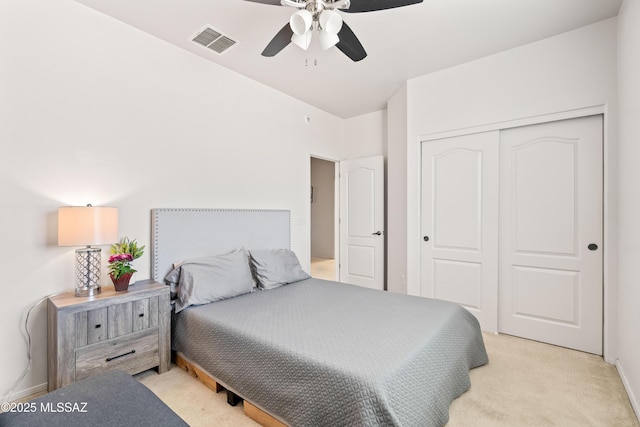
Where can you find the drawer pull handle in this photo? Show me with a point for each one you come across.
(109, 359)
(141, 315)
(98, 326)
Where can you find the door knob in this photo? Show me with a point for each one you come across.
(592, 247)
(425, 238)
(377, 233)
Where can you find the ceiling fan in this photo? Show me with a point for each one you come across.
(322, 16)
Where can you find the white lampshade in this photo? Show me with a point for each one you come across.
(87, 225)
(300, 22)
(327, 40)
(331, 22)
(302, 40)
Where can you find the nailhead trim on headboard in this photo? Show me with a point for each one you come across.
(188, 233)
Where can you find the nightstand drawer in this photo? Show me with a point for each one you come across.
(104, 323)
(132, 353)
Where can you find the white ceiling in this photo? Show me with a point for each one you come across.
(401, 43)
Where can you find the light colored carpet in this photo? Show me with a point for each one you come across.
(196, 404)
(322, 268)
(526, 383)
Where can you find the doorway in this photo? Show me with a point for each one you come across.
(347, 220)
(323, 214)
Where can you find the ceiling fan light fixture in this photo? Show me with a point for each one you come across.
(328, 40)
(330, 21)
(321, 15)
(301, 21)
(302, 40)
(330, 25)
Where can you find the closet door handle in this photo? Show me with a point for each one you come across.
(425, 238)
(592, 247)
(377, 233)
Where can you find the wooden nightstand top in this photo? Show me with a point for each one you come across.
(143, 288)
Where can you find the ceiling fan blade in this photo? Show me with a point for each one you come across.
(279, 42)
(372, 5)
(271, 2)
(350, 45)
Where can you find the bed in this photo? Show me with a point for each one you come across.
(310, 352)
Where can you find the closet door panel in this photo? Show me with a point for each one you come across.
(544, 294)
(460, 223)
(543, 174)
(458, 281)
(550, 213)
(457, 191)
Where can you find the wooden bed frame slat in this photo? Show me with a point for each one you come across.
(261, 417)
(250, 410)
(198, 373)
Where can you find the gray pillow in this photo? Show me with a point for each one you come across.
(276, 267)
(205, 280)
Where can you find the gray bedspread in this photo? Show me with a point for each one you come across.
(320, 353)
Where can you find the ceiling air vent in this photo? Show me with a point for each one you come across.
(214, 40)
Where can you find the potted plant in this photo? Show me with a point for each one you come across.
(120, 269)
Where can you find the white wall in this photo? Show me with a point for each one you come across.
(629, 176)
(570, 71)
(397, 191)
(94, 111)
(365, 135)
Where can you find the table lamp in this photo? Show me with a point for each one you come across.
(86, 226)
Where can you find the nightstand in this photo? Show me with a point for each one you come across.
(128, 330)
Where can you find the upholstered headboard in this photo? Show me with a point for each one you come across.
(178, 234)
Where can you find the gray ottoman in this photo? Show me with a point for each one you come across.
(113, 398)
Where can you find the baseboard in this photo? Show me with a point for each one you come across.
(25, 393)
(635, 404)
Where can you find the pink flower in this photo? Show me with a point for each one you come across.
(120, 257)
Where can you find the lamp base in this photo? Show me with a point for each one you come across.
(88, 271)
(88, 291)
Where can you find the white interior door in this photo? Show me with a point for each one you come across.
(551, 233)
(362, 222)
(459, 256)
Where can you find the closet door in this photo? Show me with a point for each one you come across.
(459, 254)
(551, 233)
